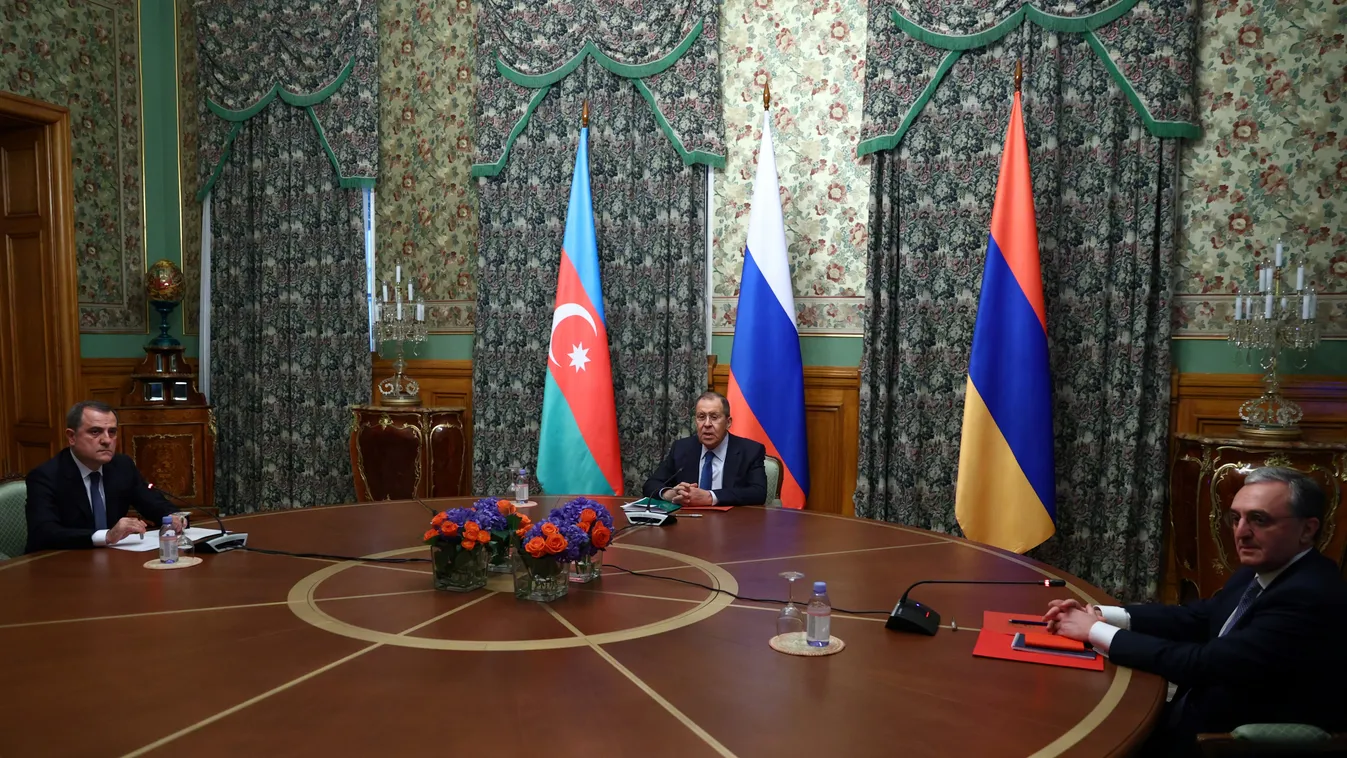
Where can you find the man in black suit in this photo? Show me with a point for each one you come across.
(1266, 648)
(81, 497)
(714, 467)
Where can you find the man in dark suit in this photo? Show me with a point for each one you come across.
(1266, 648)
(714, 467)
(81, 497)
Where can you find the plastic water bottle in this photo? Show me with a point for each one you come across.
(521, 487)
(818, 627)
(168, 541)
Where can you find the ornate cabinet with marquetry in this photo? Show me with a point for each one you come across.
(174, 447)
(1205, 474)
(404, 452)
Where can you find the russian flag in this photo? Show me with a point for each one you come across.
(1006, 494)
(766, 391)
(578, 450)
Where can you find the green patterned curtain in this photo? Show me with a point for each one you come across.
(651, 75)
(289, 136)
(1105, 193)
(650, 213)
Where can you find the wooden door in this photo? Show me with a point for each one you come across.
(31, 426)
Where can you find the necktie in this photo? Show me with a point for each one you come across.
(1245, 601)
(707, 472)
(96, 500)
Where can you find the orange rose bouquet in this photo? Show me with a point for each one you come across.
(458, 550)
(543, 552)
(596, 522)
(503, 520)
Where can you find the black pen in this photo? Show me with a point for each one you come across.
(1027, 622)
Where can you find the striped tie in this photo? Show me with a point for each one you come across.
(1245, 600)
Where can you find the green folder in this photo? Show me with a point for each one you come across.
(655, 504)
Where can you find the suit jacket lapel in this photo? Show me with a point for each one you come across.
(71, 472)
(729, 472)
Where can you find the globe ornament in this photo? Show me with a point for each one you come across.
(164, 286)
(163, 282)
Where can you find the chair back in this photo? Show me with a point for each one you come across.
(13, 519)
(1272, 741)
(773, 467)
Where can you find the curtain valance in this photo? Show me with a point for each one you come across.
(1146, 45)
(320, 56)
(667, 48)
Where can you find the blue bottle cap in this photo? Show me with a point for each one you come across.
(167, 520)
(820, 588)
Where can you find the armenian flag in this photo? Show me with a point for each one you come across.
(1006, 493)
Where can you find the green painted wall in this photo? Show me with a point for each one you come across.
(164, 239)
(163, 226)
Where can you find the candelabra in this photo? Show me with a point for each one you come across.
(400, 328)
(1274, 322)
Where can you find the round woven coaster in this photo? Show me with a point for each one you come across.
(795, 643)
(181, 564)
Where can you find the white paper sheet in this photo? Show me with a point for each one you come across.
(135, 544)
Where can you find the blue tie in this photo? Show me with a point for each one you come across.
(707, 472)
(1245, 601)
(96, 500)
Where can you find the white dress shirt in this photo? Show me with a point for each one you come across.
(100, 538)
(1117, 618)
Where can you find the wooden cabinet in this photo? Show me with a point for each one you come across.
(1205, 474)
(400, 452)
(174, 448)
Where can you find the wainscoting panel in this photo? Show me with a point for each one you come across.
(1208, 404)
(832, 420)
(444, 384)
(106, 379)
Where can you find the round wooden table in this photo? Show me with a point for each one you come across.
(250, 653)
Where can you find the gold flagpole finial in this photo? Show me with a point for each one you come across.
(1019, 75)
(767, 96)
(584, 115)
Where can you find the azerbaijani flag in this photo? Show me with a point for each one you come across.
(766, 391)
(578, 451)
(1006, 495)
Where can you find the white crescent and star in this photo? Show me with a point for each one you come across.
(579, 355)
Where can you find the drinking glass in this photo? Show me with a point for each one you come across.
(791, 618)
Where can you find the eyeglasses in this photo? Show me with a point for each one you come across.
(1257, 519)
(714, 418)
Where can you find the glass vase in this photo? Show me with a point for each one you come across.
(539, 579)
(587, 568)
(458, 570)
(500, 562)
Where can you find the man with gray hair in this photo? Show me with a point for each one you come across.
(713, 467)
(81, 497)
(1266, 648)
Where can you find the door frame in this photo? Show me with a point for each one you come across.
(55, 122)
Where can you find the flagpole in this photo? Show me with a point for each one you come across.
(1019, 75)
(766, 95)
(584, 115)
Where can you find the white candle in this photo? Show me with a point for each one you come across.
(1305, 308)
(1279, 255)
(1248, 307)
(1300, 277)
(1283, 303)
(400, 308)
(1262, 278)
(410, 296)
(1239, 308)
(399, 275)
(376, 311)
(385, 292)
(1267, 310)
(420, 311)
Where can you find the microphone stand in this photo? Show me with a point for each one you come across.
(219, 543)
(912, 616)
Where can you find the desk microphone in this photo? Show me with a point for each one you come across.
(220, 543)
(911, 616)
(651, 516)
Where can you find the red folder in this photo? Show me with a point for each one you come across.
(997, 633)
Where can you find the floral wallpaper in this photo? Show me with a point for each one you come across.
(426, 205)
(813, 54)
(189, 143)
(85, 55)
(1273, 160)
